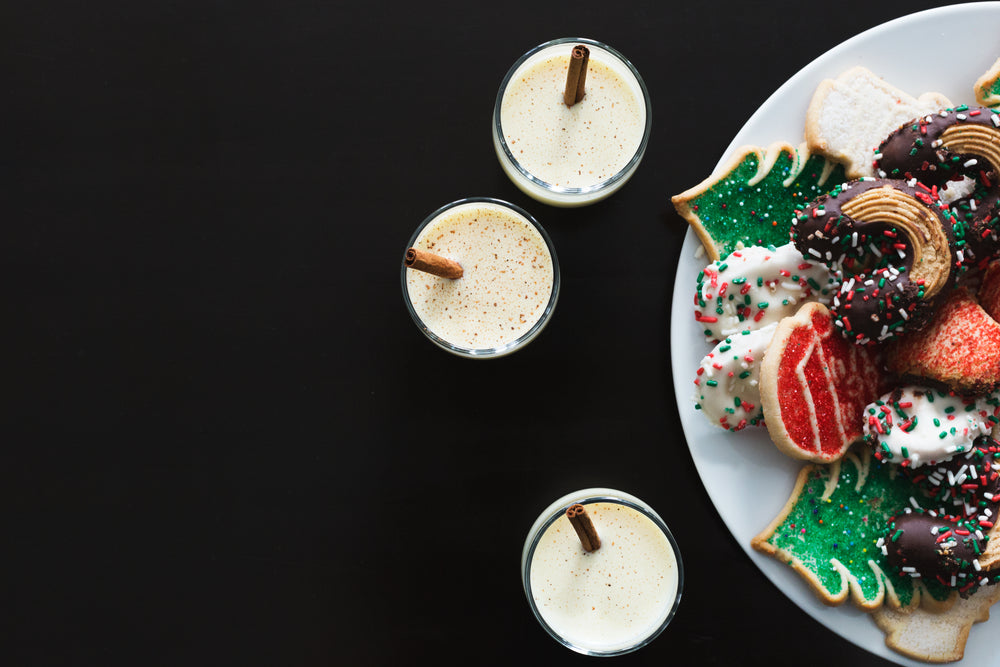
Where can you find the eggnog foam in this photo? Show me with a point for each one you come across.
(610, 598)
(577, 146)
(507, 279)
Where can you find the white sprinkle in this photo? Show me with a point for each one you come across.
(854, 240)
(815, 253)
(996, 120)
(970, 163)
(976, 565)
(907, 568)
(961, 116)
(904, 314)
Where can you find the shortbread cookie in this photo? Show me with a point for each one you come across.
(751, 199)
(990, 558)
(814, 385)
(848, 117)
(828, 533)
(753, 287)
(935, 636)
(987, 87)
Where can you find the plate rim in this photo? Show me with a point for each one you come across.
(778, 574)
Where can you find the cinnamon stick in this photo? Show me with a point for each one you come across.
(585, 530)
(428, 262)
(576, 77)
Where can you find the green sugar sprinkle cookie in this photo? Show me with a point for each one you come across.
(828, 530)
(987, 87)
(753, 197)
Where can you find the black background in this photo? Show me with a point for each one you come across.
(227, 443)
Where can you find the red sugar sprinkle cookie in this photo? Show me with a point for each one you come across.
(959, 348)
(814, 385)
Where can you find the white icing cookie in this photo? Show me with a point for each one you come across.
(753, 287)
(729, 377)
(922, 425)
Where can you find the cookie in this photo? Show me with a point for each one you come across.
(958, 349)
(751, 199)
(989, 290)
(728, 380)
(919, 426)
(848, 117)
(960, 145)
(987, 87)
(894, 244)
(754, 287)
(814, 385)
(935, 636)
(829, 529)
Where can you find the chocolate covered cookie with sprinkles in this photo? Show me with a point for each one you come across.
(893, 244)
(953, 146)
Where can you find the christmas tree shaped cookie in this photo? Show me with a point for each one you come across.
(752, 198)
(987, 87)
(829, 530)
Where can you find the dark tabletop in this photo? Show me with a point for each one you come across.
(227, 442)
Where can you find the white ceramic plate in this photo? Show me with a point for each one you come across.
(943, 50)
